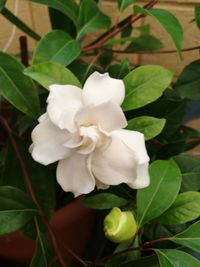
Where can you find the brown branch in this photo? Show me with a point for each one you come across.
(28, 184)
(150, 53)
(118, 28)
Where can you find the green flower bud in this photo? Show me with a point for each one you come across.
(119, 226)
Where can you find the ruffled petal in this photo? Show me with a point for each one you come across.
(135, 141)
(142, 180)
(63, 103)
(48, 143)
(108, 116)
(100, 88)
(115, 165)
(74, 175)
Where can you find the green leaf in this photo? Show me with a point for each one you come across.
(2, 4)
(57, 46)
(188, 83)
(124, 260)
(16, 209)
(123, 4)
(197, 15)
(48, 73)
(44, 253)
(16, 88)
(165, 182)
(42, 178)
(20, 24)
(104, 201)
(145, 43)
(176, 258)
(149, 126)
(67, 7)
(190, 237)
(190, 169)
(184, 209)
(90, 18)
(144, 85)
(168, 21)
(118, 71)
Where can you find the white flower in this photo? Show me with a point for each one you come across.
(82, 130)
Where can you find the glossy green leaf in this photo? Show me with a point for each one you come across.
(190, 169)
(57, 46)
(165, 182)
(123, 4)
(149, 126)
(188, 83)
(145, 43)
(16, 88)
(67, 7)
(104, 201)
(144, 85)
(48, 73)
(2, 4)
(190, 237)
(168, 21)
(197, 15)
(176, 258)
(16, 209)
(184, 209)
(90, 18)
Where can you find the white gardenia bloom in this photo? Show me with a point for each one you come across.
(82, 129)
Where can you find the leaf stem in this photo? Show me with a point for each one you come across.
(27, 181)
(118, 28)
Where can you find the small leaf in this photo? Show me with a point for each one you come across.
(2, 4)
(144, 85)
(190, 237)
(190, 169)
(16, 88)
(176, 258)
(16, 209)
(104, 201)
(145, 43)
(197, 15)
(184, 209)
(165, 181)
(69, 7)
(123, 4)
(188, 83)
(57, 46)
(90, 18)
(149, 126)
(169, 23)
(51, 73)
(118, 71)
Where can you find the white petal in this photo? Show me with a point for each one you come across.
(108, 116)
(63, 103)
(135, 141)
(48, 143)
(117, 164)
(100, 88)
(74, 175)
(143, 178)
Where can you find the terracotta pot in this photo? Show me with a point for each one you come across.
(72, 224)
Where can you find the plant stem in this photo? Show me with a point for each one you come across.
(27, 181)
(118, 28)
(151, 53)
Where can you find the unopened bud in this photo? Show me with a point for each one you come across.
(119, 226)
